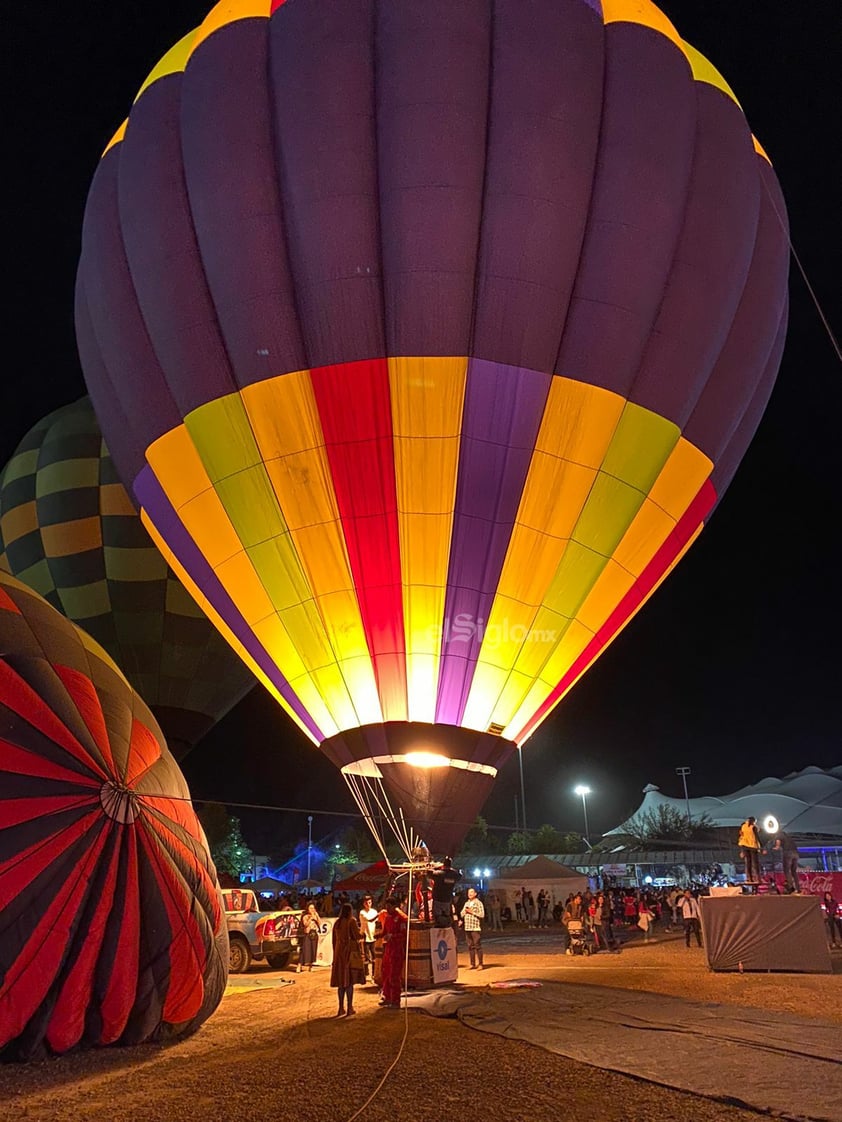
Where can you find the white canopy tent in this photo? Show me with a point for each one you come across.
(535, 874)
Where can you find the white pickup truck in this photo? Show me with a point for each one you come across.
(255, 936)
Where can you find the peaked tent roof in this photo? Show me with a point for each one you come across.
(540, 867)
(804, 802)
(267, 884)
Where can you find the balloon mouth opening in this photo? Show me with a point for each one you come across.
(118, 801)
(371, 767)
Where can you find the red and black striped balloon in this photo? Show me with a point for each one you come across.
(111, 925)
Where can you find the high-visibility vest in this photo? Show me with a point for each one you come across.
(748, 837)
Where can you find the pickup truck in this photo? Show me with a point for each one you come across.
(255, 936)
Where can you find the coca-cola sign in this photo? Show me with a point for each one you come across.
(816, 883)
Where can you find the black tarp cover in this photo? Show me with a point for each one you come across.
(765, 933)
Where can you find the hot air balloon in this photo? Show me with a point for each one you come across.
(111, 922)
(427, 336)
(68, 530)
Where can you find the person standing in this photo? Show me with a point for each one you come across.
(347, 969)
(494, 909)
(789, 859)
(543, 908)
(367, 921)
(750, 847)
(692, 918)
(445, 880)
(572, 911)
(645, 919)
(473, 913)
(308, 937)
(597, 910)
(833, 919)
(673, 900)
(519, 905)
(395, 924)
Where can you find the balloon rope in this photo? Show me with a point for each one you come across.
(828, 329)
(368, 793)
(367, 812)
(405, 995)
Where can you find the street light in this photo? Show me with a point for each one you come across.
(584, 792)
(309, 841)
(684, 772)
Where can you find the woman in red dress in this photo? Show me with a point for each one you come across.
(394, 953)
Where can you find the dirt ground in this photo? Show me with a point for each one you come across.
(274, 1048)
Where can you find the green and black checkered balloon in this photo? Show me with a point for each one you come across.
(69, 531)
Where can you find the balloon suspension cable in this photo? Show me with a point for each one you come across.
(371, 798)
(834, 342)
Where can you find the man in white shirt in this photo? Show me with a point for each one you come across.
(692, 918)
(368, 915)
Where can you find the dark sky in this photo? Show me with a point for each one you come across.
(733, 667)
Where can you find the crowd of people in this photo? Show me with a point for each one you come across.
(602, 919)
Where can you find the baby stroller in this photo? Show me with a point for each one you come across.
(579, 938)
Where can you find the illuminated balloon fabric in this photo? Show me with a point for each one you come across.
(111, 926)
(428, 335)
(68, 530)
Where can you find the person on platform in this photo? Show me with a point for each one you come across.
(473, 913)
(750, 847)
(786, 847)
(424, 903)
(395, 922)
(347, 969)
(445, 880)
(692, 918)
(367, 921)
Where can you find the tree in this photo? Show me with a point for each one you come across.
(228, 848)
(520, 842)
(549, 840)
(666, 823)
(480, 841)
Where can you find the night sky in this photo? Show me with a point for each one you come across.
(732, 669)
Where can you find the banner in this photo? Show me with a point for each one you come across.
(443, 955)
(324, 953)
(816, 884)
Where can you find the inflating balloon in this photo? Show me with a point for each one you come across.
(111, 922)
(68, 530)
(427, 336)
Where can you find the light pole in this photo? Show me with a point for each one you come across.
(584, 792)
(522, 789)
(309, 842)
(684, 772)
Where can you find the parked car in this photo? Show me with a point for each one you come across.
(255, 936)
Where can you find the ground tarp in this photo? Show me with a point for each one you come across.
(775, 1062)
